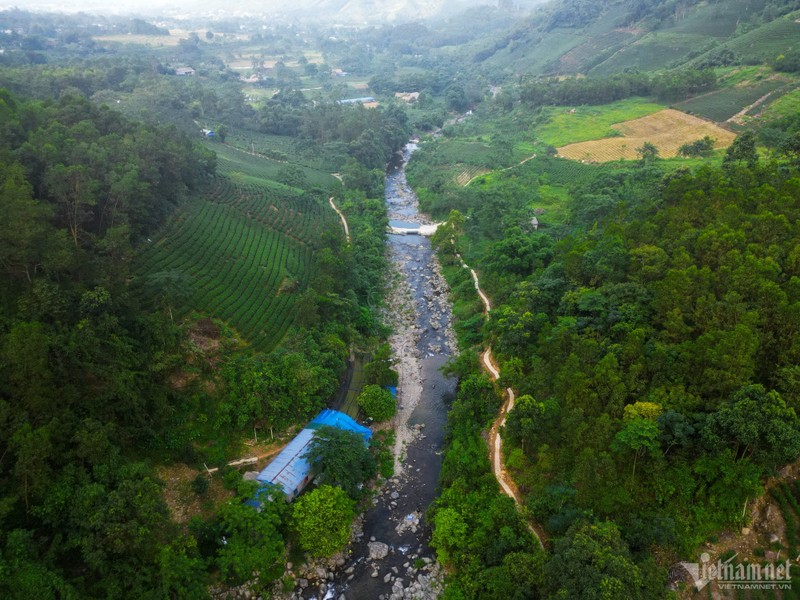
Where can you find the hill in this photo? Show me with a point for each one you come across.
(601, 38)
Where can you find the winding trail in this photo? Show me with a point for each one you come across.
(495, 441)
(341, 216)
(519, 164)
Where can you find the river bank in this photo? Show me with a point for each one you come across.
(389, 557)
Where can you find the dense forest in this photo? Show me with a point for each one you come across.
(652, 343)
(91, 350)
(647, 320)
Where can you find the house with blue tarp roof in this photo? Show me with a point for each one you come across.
(290, 470)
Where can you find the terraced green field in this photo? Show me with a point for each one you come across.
(764, 43)
(722, 104)
(269, 163)
(249, 251)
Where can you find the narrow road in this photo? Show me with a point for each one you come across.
(341, 216)
(495, 443)
(519, 164)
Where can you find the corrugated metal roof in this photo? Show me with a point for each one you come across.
(289, 469)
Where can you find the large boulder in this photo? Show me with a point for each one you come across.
(377, 550)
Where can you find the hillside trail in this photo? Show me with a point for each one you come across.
(738, 118)
(495, 441)
(342, 217)
(514, 166)
(340, 213)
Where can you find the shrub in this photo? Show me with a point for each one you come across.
(377, 403)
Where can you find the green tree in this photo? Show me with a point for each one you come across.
(252, 542)
(379, 371)
(340, 457)
(321, 519)
(757, 424)
(377, 402)
(592, 562)
(742, 151)
(450, 532)
(28, 243)
(647, 152)
(639, 436)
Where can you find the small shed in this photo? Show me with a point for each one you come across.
(290, 470)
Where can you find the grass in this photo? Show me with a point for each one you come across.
(667, 130)
(569, 125)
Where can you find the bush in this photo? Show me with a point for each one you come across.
(200, 484)
(377, 403)
(321, 519)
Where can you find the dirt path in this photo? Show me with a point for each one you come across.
(341, 216)
(519, 164)
(495, 442)
(738, 117)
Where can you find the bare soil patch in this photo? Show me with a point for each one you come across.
(668, 130)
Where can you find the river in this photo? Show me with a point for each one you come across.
(421, 317)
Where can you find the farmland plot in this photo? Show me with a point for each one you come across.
(668, 130)
(248, 252)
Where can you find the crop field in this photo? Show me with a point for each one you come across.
(652, 52)
(667, 130)
(467, 175)
(303, 153)
(715, 19)
(561, 172)
(244, 167)
(249, 253)
(568, 125)
(766, 42)
(786, 105)
(533, 54)
(579, 58)
(721, 105)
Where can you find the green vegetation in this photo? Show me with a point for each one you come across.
(377, 403)
(321, 520)
(341, 458)
(178, 295)
(248, 253)
(632, 384)
(253, 541)
(722, 104)
(701, 147)
(569, 125)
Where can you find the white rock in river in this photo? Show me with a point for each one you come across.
(377, 550)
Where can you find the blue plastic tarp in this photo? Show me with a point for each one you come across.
(290, 470)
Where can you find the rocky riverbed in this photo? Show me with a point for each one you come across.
(389, 557)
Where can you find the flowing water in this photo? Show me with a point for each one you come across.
(398, 516)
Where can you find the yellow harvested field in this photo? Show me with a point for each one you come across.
(667, 130)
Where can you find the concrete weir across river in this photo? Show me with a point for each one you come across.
(391, 558)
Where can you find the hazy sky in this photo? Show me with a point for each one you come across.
(407, 8)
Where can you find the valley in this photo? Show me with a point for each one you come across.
(580, 382)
